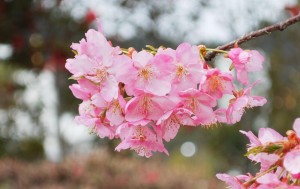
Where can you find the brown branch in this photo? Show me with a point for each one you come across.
(267, 30)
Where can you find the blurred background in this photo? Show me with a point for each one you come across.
(42, 147)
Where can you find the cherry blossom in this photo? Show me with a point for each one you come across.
(144, 97)
(187, 68)
(245, 61)
(200, 104)
(139, 137)
(242, 100)
(217, 83)
(150, 73)
(279, 159)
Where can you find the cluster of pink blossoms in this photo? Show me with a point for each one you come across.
(144, 97)
(279, 159)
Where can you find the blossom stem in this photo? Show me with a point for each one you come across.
(249, 182)
(264, 31)
(217, 50)
(201, 56)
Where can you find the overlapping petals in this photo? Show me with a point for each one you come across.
(279, 159)
(144, 97)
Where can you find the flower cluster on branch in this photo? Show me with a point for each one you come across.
(143, 97)
(279, 159)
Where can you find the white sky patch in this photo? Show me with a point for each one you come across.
(220, 21)
(5, 51)
(72, 132)
(126, 31)
(52, 148)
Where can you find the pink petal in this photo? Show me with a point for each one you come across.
(187, 54)
(110, 88)
(86, 120)
(268, 178)
(221, 115)
(123, 69)
(196, 73)
(236, 110)
(78, 92)
(254, 101)
(115, 114)
(169, 126)
(185, 117)
(80, 65)
(292, 162)
(133, 111)
(99, 101)
(253, 139)
(231, 181)
(88, 86)
(205, 114)
(158, 87)
(141, 59)
(255, 63)
(296, 127)
(242, 76)
(265, 160)
(267, 135)
(234, 54)
(105, 131)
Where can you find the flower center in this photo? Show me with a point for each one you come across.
(181, 71)
(146, 73)
(145, 105)
(215, 84)
(101, 74)
(192, 104)
(116, 107)
(138, 134)
(172, 122)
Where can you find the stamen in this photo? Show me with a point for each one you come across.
(215, 84)
(101, 74)
(181, 71)
(145, 105)
(146, 73)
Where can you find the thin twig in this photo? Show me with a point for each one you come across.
(267, 30)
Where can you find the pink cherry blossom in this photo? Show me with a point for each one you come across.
(187, 68)
(268, 135)
(235, 182)
(292, 161)
(93, 118)
(265, 160)
(245, 61)
(96, 61)
(296, 127)
(265, 136)
(242, 101)
(217, 83)
(82, 66)
(168, 125)
(96, 47)
(84, 90)
(114, 110)
(271, 181)
(200, 104)
(221, 115)
(150, 73)
(143, 97)
(147, 106)
(139, 137)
